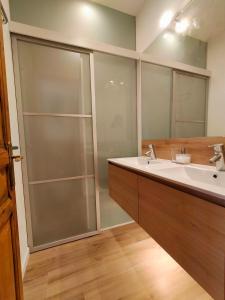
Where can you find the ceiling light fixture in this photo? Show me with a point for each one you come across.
(166, 19)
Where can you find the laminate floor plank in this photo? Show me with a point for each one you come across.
(122, 263)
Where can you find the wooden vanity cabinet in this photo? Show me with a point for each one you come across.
(123, 188)
(190, 229)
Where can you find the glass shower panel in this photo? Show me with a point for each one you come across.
(190, 105)
(115, 80)
(58, 147)
(156, 101)
(62, 209)
(53, 80)
(57, 119)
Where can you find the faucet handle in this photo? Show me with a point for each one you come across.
(151, 146)
(152, 150)
(217, 147)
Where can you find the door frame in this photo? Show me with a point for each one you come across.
(15, 38)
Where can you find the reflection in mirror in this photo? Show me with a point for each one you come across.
(185, 38)
(189, 105)
(174, 103)
(156, 101)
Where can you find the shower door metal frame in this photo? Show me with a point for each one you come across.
(15, 39)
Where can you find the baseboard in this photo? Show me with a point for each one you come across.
(117, 225)
(25, 262)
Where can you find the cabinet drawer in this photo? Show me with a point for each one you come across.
(123, 188)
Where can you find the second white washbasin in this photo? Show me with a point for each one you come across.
(202, 175)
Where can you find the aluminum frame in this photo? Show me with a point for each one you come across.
(139, 106)
(63, 241)
(94, 127)
(56, 115)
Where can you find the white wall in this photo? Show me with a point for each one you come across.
(15, 140)
(216, 108)
(147, 20)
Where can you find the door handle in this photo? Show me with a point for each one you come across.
(17, 158)
(12, 157)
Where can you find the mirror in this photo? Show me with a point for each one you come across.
(179, 104)
(174, 103)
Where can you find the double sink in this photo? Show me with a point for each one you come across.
(182, 207)
(202, 177)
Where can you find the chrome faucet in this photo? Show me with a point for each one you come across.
(218, 157)
(151, 152)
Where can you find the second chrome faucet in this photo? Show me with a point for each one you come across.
(151, 152)
(218, 157)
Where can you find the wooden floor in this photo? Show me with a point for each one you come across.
(121, 263)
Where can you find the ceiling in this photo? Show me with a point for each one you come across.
(210, 18)
(130, 7)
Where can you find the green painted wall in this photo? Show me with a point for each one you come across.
(82, 19)
(176, 47)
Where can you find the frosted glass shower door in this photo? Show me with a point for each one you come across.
(56, 109)
(116, 118)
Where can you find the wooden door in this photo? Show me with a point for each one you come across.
(10, 266)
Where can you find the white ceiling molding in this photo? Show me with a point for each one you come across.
(54, 36)
(49, 35)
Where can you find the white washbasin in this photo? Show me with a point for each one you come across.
(197, 174)
(140, 161)
(144, 160)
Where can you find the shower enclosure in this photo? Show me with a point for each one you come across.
(57, 129)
